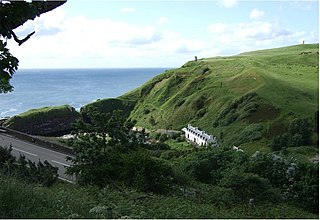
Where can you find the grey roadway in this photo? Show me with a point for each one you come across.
(35, 153)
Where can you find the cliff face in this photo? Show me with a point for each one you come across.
(44, 121)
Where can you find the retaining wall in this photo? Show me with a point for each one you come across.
(39, 142)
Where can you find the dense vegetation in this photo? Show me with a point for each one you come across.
(26, 170)
(44, 121)
(208, 183)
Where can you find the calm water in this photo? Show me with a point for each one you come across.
(35, 88)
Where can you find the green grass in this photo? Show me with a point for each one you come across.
(108, 105)
(37, 121)
(20, 200)
(284, 79)
(179, 146)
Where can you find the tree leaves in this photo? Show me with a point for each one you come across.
(12, 15)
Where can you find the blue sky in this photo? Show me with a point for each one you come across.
(154, 33)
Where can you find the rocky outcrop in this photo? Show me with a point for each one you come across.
(47, 121)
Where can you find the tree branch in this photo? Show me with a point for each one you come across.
(39, 8)
(16, 39)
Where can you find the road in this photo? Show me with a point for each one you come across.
(35, 153)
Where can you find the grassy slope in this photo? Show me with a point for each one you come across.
(35, 118)
(66, 201)
(285, 81)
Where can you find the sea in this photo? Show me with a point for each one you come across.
(36, 88)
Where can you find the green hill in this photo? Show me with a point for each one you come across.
(55, 120)
(248, 97)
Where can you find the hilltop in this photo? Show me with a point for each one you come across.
(248, 97)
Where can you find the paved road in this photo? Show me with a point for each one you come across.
(36, 153)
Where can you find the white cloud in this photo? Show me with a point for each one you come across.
(83, 42)
(64, 41)
(256, 14)
(217, 28)
(240, 37)
(305, 5)
(228, 3)
(162, 20)
(128, 10)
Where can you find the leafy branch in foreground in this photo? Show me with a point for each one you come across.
(12, 15)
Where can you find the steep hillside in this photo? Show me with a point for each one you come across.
(55, 120)
(243, 98)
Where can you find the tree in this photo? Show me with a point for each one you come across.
(108, 150)
(12, 15)
(97, 141)
(302, 127)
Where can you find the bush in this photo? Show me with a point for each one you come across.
(246, 185)
(163, 137)
(209, 165)
(280, 141)
(42, 173)
(152, 121)
(157, 146)
(304, 191)
(303, 128)
(146, 111)
(169, 154)
(300, 131)
(145, 173)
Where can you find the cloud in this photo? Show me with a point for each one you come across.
(162, 20)
(228, 3)
(241, 37)
(127, 10)
(256, 14)
(77, 41)
(305, 5)
(217, 28)
(44, 25)
(254, 30)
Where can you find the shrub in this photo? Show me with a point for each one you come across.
(304, 190)
(246, 185)
(199, 103)
(152, 121)
(163, 137)
(42, 173)
(302, 127)
(146, 111)
(209, 165)
(145, 173)
(157, 146)
(280, 141)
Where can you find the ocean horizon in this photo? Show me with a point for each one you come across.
(36, 88)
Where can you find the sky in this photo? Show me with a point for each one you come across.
(155, 33)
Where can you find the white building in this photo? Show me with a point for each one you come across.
(199, 137)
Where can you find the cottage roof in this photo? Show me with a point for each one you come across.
(197, 132)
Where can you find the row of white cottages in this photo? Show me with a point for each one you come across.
(199, 137)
